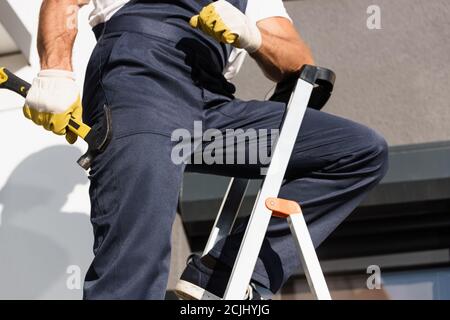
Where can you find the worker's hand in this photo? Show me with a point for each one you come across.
(52, 100)
(227, 24)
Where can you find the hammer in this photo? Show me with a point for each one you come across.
(97, 137)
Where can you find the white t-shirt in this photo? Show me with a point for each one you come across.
(256, 10)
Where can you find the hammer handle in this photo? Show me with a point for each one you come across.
(9, 80)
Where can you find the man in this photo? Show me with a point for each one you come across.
(162, 66)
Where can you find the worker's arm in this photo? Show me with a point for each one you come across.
(57, 32)
(273, 42)
(54, 97)
(282, 50)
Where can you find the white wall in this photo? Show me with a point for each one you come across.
(7, 44)
(44, 204)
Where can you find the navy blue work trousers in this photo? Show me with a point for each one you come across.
(149, 85)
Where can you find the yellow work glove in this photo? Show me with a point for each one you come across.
(227, 24)
(52, 100)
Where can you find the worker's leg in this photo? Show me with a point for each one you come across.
(334, 164)
(134, 183)
(134, 192)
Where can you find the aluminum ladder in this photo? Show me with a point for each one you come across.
(311, 87)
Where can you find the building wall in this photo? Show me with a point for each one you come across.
(395, 79)
(45, 234)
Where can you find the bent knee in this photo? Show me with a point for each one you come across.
(376, 152)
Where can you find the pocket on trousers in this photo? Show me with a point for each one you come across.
(104, 194)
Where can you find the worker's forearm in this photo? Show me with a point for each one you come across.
(280, 56)
(57, 33)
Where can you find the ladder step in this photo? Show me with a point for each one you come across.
(282, 208)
